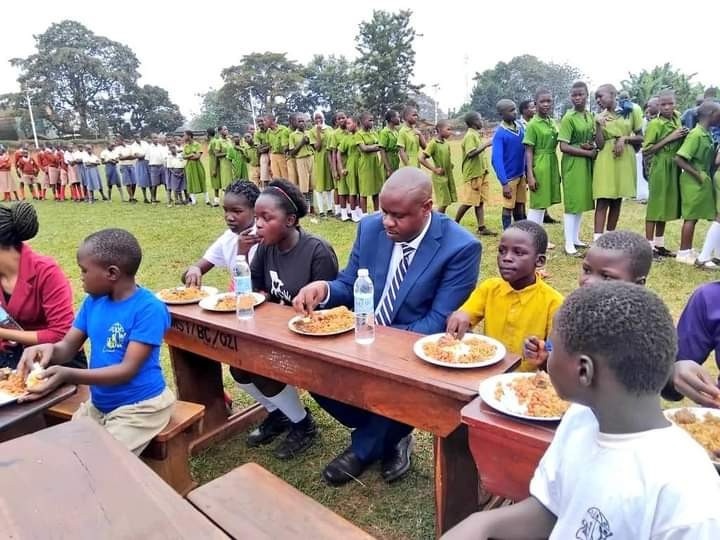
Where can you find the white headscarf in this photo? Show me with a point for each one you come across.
(322, 115)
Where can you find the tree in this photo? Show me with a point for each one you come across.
(387, 60)
(518, 79)
(330, 84)
(151, 110)
(269, 78)
(76, 75)
(426, 106)
(646, 84)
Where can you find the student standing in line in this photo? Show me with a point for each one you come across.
(443, 181)
(508, 160)
(109, 158)
(388, 142)
(370, 174)
(156, 157)
(142, 170)
(342, 208)
(126, 164)
(320, 135)
(214, 167)
(194, 170)
(301, 153)
(410, 139)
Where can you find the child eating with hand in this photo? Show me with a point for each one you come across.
(616, 468)
(517, 304)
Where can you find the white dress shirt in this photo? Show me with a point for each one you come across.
(140, 148)
(156, 154)
(108, 155)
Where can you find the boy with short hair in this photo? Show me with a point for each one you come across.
(517, 304)
(475, 189)
(410, 139)
(616, 468)
(126, 325)
(508, 160)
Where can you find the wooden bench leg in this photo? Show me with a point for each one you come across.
(175, 468)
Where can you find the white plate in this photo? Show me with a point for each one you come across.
(209, 301)
(208, 290)
(297, 318)
(497, 357)
(700, 413)
(508, 404)
(6, 398)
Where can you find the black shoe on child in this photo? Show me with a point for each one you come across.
(300, 437)
(275, 424)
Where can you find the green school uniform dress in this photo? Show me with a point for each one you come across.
(443, 185)
(369, 172)
(697, 199)
(238, 160)
(251, 154)
(387, 138)
(542, 135)
(213, 162)
(194, 170)
(225, 167)
(348, 184)
(408, 140)
(577, 128)
(322, 173)
(615, 178)
(664, 178)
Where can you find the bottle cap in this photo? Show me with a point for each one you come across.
(363, 272)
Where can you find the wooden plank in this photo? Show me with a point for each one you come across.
(75, 481)
(506, 450)
(249, 502)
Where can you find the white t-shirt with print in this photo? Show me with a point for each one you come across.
(654, 485)
(223, 251)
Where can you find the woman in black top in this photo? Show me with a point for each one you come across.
(287, 259)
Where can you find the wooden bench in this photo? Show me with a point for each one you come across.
(168, 454)
(250, 502)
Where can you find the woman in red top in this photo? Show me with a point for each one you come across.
(7, 179)
(36, 295)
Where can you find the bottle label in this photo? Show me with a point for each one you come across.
(243, 285)
(364, 303)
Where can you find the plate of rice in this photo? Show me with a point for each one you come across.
(703, 425)
(530, 396)
(177, 296)
(226, 302)
(472, 351)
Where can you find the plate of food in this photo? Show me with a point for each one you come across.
(177, 296)
(524, 395)
(12, 386)
(703, 425)
(472, 351)
(325, 322)
(226, 302)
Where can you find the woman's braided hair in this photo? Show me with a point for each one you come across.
(18, 223)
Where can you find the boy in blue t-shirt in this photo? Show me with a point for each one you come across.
(126, 325)
(508, 161)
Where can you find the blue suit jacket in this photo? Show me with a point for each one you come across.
(443, 272)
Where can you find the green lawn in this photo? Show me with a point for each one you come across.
(173, 238)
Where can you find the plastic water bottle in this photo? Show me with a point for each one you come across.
(244, 300)
(6, 321)
(364, 308)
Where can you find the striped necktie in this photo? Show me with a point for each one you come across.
(385, 311)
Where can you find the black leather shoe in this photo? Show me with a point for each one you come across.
(344, 468)
(396, 462)
(275, 424)
(549, 219)
(300, 437)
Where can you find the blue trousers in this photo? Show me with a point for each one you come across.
(373, 435)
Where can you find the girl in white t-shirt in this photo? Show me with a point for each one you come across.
(616, 468)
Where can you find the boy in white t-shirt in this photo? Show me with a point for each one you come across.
(616, 469)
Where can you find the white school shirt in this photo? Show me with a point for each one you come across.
(80, 156)
(654, 485)
(108, 155)
(156, 154)
(223, 251)
(175, 162)
(140, 148)
(125, 154)
(91, 159)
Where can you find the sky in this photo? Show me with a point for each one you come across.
(184, 49)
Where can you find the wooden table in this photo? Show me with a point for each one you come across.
(385, 377)
(18, 419)
(506, 450)
(75, 481)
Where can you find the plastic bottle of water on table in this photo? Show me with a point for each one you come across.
(364, 308)
(244, 299)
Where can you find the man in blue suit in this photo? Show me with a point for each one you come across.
(423, 266)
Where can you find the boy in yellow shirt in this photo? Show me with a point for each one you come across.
(518, 304)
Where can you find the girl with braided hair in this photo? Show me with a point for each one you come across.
(35, 292)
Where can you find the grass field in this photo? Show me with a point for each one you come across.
(173, 238)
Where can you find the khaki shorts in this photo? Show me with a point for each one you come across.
(254, 174)
(518, 187)
(28, 179)
(278, 166)
(475, 192)
(133, 425)
(292, 175)
(304, 167)
(265, 175)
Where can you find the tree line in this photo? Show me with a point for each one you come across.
(83, 83)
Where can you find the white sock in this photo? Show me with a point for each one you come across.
(261, 398)
(596, 236)
(192, 198)
(712, 242)
(216, 200)
(337, 209)
(569, 230)
(577, 219)
(347, 208)
(328, 200)
(319, 206)
(343, 214)
(207, 197)
(683, 252)
(288, 401)
(659, 241)
(536, 216)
